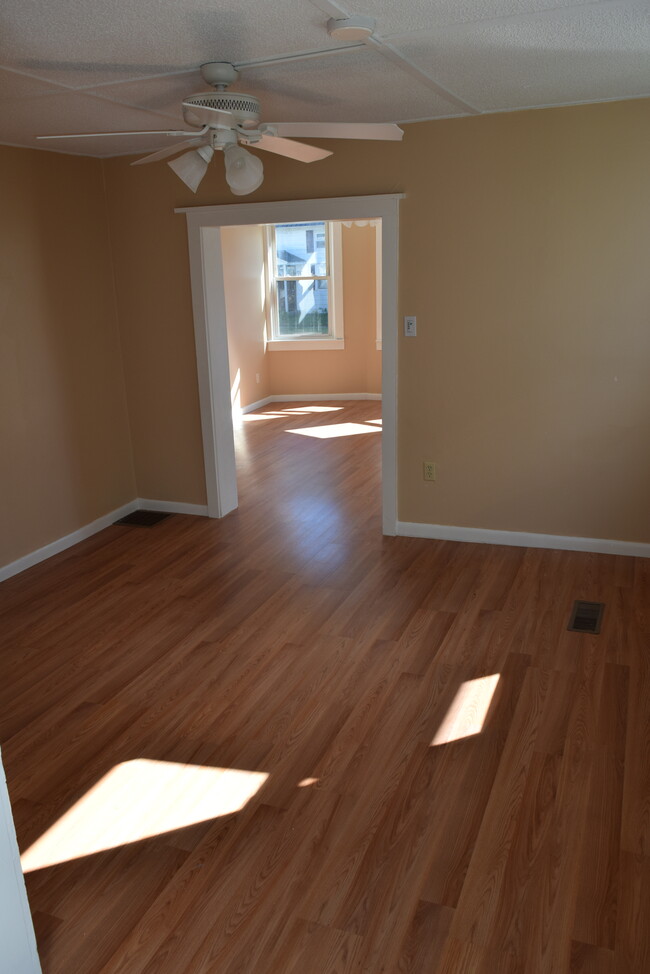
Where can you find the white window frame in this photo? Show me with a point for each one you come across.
(335, 341)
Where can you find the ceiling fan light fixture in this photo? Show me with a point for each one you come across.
(191, 167)
(351, 28)
(244, 171)
(206, 152)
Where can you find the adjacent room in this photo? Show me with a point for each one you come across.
(325, 534)
(303, 311)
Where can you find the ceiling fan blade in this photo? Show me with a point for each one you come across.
(338, 130)
(102, 135)
(169, 150)
(291, 149)
(207, 116)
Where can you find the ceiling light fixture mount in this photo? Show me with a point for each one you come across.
(219, 74)
(351, 28)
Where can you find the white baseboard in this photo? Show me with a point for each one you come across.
(34, 557)
(172, 507)
(521, 539)
(309, 397)
(252, 406)
(405, 529)
(55, 547)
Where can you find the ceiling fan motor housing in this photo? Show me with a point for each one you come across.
(245, 109)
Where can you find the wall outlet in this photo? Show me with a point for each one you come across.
(410, 326)
(428, 470)
(257, 377)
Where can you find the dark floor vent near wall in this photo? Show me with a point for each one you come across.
(144, 519)
(586, 617)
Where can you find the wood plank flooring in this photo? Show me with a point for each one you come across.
(444, 779)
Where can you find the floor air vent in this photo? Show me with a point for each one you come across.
(586, 617)
(143, 519)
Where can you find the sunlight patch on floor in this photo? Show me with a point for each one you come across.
(312, 409)
(140, 799)
(251, 417)
(468, 710)
(339, 429)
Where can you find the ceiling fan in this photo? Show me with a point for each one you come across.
(227, 121)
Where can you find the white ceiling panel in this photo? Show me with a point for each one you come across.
(163, 94)
(83, 42)
(418, 15)
(358, 85)
(104, 148)
(563, 56)
(21, 121)
(14, 86)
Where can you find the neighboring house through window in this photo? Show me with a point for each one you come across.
(304, 283)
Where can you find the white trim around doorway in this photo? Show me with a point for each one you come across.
(211, 338)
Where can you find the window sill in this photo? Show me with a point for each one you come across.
(306, 345)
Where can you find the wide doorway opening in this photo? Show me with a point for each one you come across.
(303, 311)
(300, 306)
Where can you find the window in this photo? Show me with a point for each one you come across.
(304, 285)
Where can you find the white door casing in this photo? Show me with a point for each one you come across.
(17, 941)
(211, 337)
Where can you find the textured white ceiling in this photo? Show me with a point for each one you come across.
(589, 53)
(102, 65)
(426, 15)
(83, 42)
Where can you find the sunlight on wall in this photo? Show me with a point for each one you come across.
(340, 429)
(139, 799)
(468, 710)
(263, 293)
(235, 395)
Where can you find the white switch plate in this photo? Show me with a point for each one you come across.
(410, 326)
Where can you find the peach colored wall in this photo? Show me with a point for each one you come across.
(357, 367)
(243, 273)
(64, 433)
(523, 250)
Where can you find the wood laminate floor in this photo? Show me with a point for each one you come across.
(421, 769)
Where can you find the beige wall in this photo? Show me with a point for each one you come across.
(65, 452)
(154, 304)
(523, 249)
(357, 367)
(243, 274)
(525, 261)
